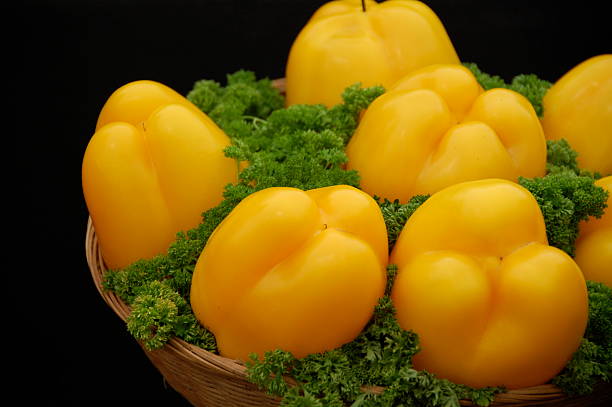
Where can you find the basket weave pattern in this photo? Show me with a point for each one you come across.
(209, 380)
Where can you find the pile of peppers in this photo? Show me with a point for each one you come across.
(493, 304)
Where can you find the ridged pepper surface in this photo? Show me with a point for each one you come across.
(153, 166)
(294, 270)
(492, 303)
(594, 243)
(578, 108)
(342, 45)
(437, 127)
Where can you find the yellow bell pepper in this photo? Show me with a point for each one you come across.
(492, 303)
(294, 270)
(594, 243)
(578, 108)
(342, 44)
(437, 127)
(153, 166)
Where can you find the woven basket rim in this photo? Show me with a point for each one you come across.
(230, 367)
(97, 268)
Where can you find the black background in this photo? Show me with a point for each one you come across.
(71, 55)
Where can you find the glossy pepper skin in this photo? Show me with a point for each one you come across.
(436, 127)
(289, 269)
(578, 108)
(342, 45)
(153, 166)
(492, 303)
(594, 243)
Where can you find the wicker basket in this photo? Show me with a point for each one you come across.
(209, 380)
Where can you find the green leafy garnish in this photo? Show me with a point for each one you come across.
(159, 312)
(295, 147)
(561, 157)
(567, 195)
(592, 362)
(244, 96)
(396, 215)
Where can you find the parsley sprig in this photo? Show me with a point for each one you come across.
(566, 195)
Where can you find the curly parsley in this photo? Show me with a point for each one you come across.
(592, 362)
(566, 196)
(396, 215)
(243, 97)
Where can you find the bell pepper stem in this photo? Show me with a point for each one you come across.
(363, 6)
